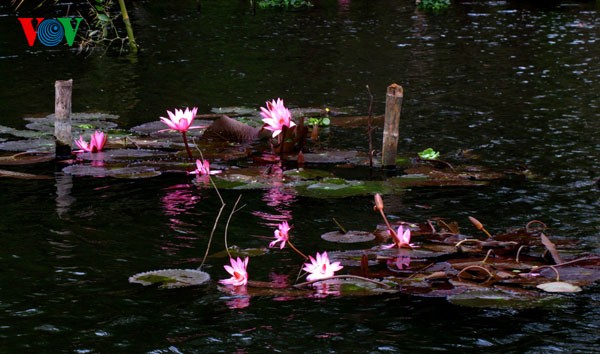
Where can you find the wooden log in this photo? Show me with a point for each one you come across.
(393, 106)
(62, 120)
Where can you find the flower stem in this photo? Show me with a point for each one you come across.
(187, 147)
(297, 250)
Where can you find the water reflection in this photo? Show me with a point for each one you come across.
(239, 297)
(177, 203)
(278, 197)
(64, 199)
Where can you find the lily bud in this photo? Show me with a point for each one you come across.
(476, 223)
(378, 202)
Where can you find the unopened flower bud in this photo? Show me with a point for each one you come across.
(476, 223)
(378, 202)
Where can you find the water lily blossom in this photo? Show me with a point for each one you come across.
(180, 120)
(321, 268)
(281, 235)
(276, 116)
(96, 143)
(237, 269)
(401, 238)
(203, 168)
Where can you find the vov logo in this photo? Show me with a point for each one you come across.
(50, 31)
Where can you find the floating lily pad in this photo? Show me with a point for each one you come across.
(21, 175)
(236, 251)
(351, 286)
(26, 158)
(306, 174)
(495, 298)
(171, 278)
(336, 157)
(559, 287)
(348, 237)
(159, 129)
(134, 172)
(20, 133)
(31, 145)
(341, 188)
(241, 111)
(123, 154)
(80, 122)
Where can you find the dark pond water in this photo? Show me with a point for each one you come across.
(516, 83)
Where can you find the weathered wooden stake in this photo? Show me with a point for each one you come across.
(393, 106)
(62, 120)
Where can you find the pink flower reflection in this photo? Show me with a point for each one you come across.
(278, 196)
(178, 202)
(402, 262)
(240, 298)
(179, 199)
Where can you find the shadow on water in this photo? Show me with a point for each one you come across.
(515, 82)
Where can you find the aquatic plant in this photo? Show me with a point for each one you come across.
(263, 4)
(320, 267)
(203, 168)
(433, 5)
(429, 154)
(277, 117)
(401, 238)
(281, 235)
(96, 143)
(181, 121)
(238, 271)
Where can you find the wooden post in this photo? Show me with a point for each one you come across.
(393, 106)
(62, 118)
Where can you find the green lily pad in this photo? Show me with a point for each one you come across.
(171, 278)
(495, 298)
(351, 286)
(236, 251)
(348, 237)
(123, 154)
(341, 188)
(127, 172)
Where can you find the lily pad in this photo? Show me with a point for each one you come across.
(31, 145)
(341, 188)
(348, 237)
(559, 287)
(80, 122)
(495, 298)
(171, 278)
(123, 154)
(134, 172)
(26, 158)
(21, 175)
(350, 286)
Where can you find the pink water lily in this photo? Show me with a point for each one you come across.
(320, 267)
(401, 238)
(96, 143)
(180, 120)
(203, 168)
(281, 235)
(238, 271)
(276, 116)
